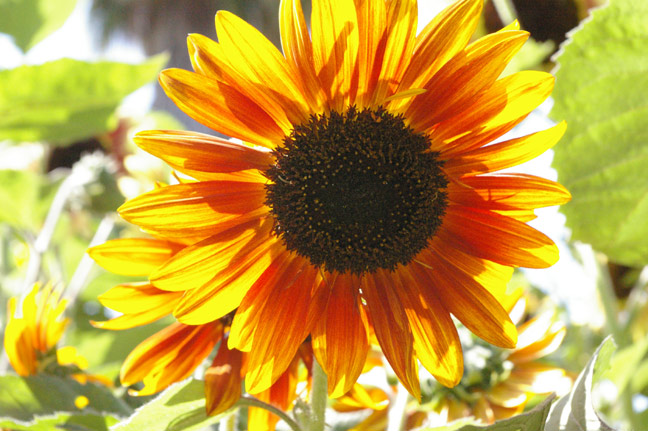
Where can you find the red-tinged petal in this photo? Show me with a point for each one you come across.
(445, 36)
(339, 338)
(223, 380)
(467, 300)
(492, 113)
(390, 323)
(283, 267)
(498, 238)
(18, 343)
(259, 62)
(281, 330)
(133, 256)
(400, 38)
(508, 192)
(200, 209)
(334, 28)
(221, 107)
(372, 25)
(505, 154)
(436, 341)
(281, 395)
(298, 49)
(465, 75)
(199, 155)
(169, 355)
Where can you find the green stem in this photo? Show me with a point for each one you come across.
(228, 423)
(253, 402)
(606, 291)
(505, 10)
(319, 398)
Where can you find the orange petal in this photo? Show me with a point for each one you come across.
(436, 341)
(400, 38)
(18, 343)
(281, 395)
(135, 297)
(223, 380)
(505, 154)
(463, 77)
(246, 319)
(340, 337)
(388, 318)
(492, 113)
(198, 209)
(298, 49)
(281, 329)
(372, 24)
(133, 256)
(169, 356)
(537, 339)
(498, 238)
(507, 396)
(198, 155)
(467, 300)
(508, 192)
(221, 107)
(359, 398)
(334, 29)
(445, 36)
(128, 321)
(224, 292)
(259, 63)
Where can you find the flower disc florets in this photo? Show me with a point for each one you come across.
(357, 191)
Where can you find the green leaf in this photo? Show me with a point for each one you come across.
(625, 365)
(181, 407)
(24, 198)
(601, 87)
(533, 420)
(30, 21)
(67, 100)
(64, 421)
(574, 411)
(24, 399)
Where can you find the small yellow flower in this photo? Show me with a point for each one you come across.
(32, 334)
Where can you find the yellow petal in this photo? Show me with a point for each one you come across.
(223, 380)
(133, 256)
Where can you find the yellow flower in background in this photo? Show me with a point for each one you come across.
(364, 188)
(507, 380)
(33, 331)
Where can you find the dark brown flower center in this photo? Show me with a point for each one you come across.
(357, 191)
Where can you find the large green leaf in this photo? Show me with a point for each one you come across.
(30, 21)
(66, 100)
(601, 88)
(574, 411)
(181, 407)
(26, 399)
(63, 421)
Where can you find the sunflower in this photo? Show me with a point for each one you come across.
(173, 353)
(33, 332)
(360, 187)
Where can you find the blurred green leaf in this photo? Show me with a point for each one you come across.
(625, 365)
(25, 198)
(181, 407)
(66, 100)
(574, 411)
(601, 87)
(64, 421)
(30, 21)
(26, 398)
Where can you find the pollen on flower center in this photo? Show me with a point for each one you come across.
(357, 191)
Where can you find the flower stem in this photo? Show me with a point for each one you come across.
(253, 402)
(609, 300)
(319, 398)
